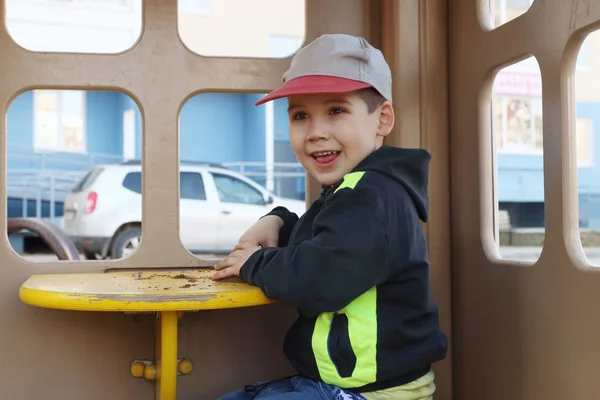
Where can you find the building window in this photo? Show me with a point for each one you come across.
(59, 120)
(503, 11)
(74, 26)
(517, 108)
(128, 134)
(194, 6)
(283, 46)
(584, 137)
(518, 128)
(518, 124)
(118, 3)
(583, 56)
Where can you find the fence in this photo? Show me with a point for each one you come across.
(39, 193)
(26, 158)
(282, 179)
(38, 182)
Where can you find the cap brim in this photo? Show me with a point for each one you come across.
(314, 84)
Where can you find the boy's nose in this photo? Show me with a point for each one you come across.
(316, 132)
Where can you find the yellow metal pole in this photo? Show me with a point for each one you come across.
(168, 355)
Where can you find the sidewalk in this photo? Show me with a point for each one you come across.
(532, 253)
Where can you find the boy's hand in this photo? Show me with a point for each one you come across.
(233, 263)
(265, 232)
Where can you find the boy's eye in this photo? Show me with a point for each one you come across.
(299, 115)
(336, 110)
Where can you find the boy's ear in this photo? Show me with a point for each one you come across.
(386, 119)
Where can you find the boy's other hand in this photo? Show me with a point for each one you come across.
(233, 263)
(265, 232)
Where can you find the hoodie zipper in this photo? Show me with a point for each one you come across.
(326, 192)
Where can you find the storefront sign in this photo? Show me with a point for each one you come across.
(518, 83)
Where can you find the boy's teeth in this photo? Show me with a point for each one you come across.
(323, 153)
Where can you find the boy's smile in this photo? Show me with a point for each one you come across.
(331, 133)
(325, 159)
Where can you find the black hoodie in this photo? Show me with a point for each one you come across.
(356, 267)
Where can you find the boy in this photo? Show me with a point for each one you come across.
(355, 265)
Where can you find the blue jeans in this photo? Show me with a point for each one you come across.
(292, 388)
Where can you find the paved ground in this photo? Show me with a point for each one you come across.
(532, 253)
(512, 253)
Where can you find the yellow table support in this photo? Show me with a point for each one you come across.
(168, 292)
(168, 355)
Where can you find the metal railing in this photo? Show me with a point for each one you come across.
(21, 157)
(51, 187)
(276, 177)
(47, 177)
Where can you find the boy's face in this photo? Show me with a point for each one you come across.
(331, 133)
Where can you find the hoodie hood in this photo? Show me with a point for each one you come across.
(409, 167)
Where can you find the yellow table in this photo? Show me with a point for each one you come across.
(164, 291)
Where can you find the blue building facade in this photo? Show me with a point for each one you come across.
(214, 127)
(521, 176)
(226, 128)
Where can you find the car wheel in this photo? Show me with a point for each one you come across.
(126, 242)
(89, 255)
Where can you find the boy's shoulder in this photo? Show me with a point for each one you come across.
(395, 178)
(382, 191)
(372, 183)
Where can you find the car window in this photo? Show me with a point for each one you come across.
(191, 186)
(233, 190)
(88, 179)
(133, 182)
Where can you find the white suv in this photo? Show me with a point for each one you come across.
(103, 212)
